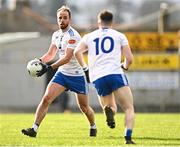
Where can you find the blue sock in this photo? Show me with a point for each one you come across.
(128, 133)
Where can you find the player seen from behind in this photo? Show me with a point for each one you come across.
(105, 48)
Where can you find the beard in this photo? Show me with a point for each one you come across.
(63, 26)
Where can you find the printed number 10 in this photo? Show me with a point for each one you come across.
(102, 43)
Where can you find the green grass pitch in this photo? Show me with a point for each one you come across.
(72, 129)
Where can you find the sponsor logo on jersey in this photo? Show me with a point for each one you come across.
(72, 41)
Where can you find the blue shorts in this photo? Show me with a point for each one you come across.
(77, 84)
(107, 84)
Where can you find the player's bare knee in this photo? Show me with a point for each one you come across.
(46, 100)
(84, 109)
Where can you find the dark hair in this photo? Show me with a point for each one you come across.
(65, 8)
(106, 16)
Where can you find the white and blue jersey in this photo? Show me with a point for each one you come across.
(104, 52)
(69, 75)
(64, 40)
(104, 56)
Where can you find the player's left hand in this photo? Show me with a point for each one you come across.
(86, 71)
(45, 68)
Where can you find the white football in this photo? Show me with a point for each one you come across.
(33, 66)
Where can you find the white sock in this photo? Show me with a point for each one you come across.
(93, 126)
(35, 127)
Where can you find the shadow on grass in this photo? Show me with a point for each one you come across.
(165, 141)
(157, 138)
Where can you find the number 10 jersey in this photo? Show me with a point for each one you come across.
(104, 52)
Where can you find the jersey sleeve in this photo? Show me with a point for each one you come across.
(124, 40)
(73, 41)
